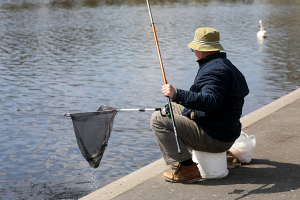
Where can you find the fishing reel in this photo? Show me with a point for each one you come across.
(167, 110)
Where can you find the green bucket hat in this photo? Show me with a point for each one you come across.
(206, 39)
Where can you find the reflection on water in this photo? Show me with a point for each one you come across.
(59, 56)
(260, 42)
(69, 4)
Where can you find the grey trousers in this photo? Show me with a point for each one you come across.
(191, 136)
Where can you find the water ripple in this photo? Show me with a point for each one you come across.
(73, 56)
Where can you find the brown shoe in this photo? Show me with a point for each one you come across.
(183, 174)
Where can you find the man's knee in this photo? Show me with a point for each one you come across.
(159, 121)
(155, 119)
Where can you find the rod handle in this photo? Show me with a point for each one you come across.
(174, 125)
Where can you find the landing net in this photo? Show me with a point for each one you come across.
(92, 130)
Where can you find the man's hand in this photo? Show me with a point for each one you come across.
(168, 90)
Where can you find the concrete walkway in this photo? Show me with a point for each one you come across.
(273, 173)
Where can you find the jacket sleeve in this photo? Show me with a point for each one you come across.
(207, 92)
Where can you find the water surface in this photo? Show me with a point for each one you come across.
(73, 56)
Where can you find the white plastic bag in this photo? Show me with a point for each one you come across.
(243, 147)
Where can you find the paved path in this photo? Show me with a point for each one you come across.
(274, 172)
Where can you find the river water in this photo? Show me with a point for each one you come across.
(60, 56)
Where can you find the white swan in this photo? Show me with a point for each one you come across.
(262, 31)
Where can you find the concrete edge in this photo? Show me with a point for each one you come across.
(127, 182)
(120, 186)
(270, 108)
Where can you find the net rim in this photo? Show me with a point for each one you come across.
(86, 114)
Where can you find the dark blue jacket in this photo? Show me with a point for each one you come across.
(216, 97)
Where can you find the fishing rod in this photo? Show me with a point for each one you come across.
(163, 74)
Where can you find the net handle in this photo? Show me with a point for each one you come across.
(125, 109)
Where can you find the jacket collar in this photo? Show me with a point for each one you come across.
(208, 58)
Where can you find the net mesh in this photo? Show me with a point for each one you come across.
(92, 130)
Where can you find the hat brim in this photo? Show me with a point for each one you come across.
(205, 47)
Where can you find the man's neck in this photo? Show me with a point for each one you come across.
(211, 57)
(202, 54)
(207, 53)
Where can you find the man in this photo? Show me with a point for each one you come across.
(208, 115)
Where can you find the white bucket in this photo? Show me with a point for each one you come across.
(211, 165)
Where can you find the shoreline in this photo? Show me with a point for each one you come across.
(130, 181)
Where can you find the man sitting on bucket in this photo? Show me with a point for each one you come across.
(208, 115)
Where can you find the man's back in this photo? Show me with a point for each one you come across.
(217, 97)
